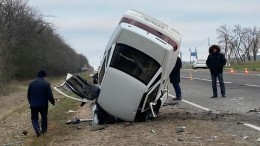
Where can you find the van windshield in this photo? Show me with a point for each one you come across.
(134, 63)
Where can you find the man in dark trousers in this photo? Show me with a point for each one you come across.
(39, 94)
(175, 78)
(215, 62)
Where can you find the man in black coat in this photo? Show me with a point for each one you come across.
(39, 94)
(215, 62)
(175, 78)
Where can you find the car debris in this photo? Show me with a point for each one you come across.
(240, 122)
(254, 110)
(78, 120)
(258, 140)
(245, 137)
(78, 127)
(71, 111)
(25, 132)
(180, 129)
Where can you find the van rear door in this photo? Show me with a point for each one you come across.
(77, 88)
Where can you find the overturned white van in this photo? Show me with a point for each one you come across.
(134, 71)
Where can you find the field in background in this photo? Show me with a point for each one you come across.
(251, 66)
(237, 67)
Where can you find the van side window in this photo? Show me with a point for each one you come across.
(102, 72)
(108, 53)
(134, 63)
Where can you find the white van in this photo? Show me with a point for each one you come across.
(199, 63)
(135, 68)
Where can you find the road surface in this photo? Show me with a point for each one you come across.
(242, 102)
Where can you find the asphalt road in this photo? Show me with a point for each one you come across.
(242, 101)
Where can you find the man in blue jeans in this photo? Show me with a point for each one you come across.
(175, 79)
(216, 62)
(39, 94)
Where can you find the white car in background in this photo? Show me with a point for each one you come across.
(200, 63)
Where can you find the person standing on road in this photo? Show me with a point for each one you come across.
(215, 62)
(175, 78)
(39, 94)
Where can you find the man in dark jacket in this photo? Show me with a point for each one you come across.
(175, 78)
(215, 62)
(39, 94)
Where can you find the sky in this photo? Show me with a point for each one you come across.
(86, 25)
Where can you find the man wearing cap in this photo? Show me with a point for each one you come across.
(39, 94)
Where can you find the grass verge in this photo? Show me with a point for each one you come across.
(250, 66)
(57, 119)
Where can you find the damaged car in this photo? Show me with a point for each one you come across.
(132, 81)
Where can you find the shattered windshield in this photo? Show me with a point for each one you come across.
(134, 63)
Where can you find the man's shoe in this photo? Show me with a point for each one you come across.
(177, 99)
(223, 95)
(214, 97)
(43, 132)
(38, 134)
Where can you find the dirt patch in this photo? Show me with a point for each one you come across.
(8, 104)
(174, 126)
(198, 129)
(14, 118)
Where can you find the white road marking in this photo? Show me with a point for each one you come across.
(206, 109)
(252, 126)
(204, 79)
(252, 85)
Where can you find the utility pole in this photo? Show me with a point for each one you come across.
(196, 53)
(190, 55)
(181, 55)
(208, 42)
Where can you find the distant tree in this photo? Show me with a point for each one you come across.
(247, 42)
(224, 35)
(256, 42)
(239, 43)
(236, 42)
(29, 43)
(10, 13)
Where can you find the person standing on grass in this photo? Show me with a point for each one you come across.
(216, 62)
(39, 94)
(175, 78)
